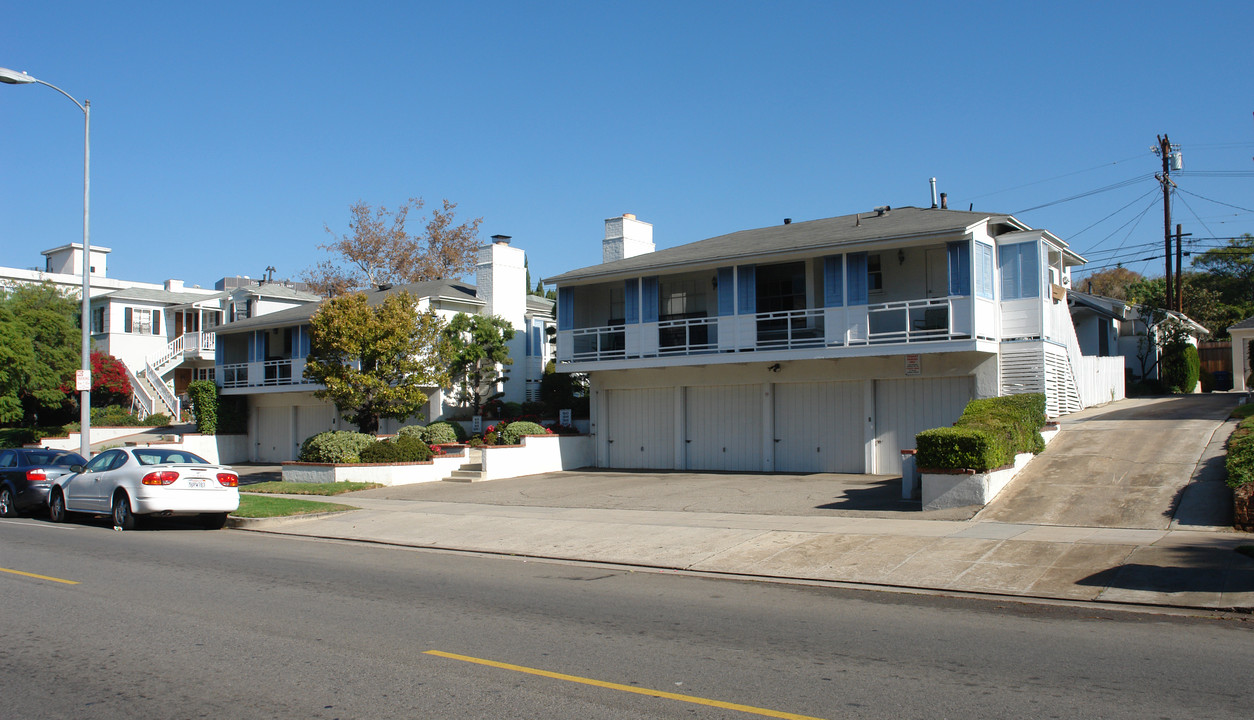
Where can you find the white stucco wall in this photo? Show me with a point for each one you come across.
(539, 454)
(434, 470)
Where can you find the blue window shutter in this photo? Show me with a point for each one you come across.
(631, 301)
(303, 349)
(855, 274)
(219, 354)
(1008, 263)
(833, 281)
(726, 292)
(649, 296)
(565, 309)
(984, 271)
(747, 303)
(959, 268)
(1029, 270)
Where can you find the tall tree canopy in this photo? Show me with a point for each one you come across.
(39, 350)
(480, 354)
(375, 360)
(1112, 283)
(379, 248)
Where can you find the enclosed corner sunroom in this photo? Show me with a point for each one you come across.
(902, 299)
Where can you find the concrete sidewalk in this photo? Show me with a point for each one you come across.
(1190, 561)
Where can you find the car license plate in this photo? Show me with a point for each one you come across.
(195, 483)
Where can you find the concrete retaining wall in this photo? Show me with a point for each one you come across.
(433, 470)
(539, 454)
(961, 488)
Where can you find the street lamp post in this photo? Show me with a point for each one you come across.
(11, 77)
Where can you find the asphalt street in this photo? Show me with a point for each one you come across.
(181, 623)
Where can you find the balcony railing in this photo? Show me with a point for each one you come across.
(890, 323)
(270, 373)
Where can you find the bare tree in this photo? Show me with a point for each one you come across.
(379, 249)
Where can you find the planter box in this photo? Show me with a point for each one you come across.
(959, 488)
(433, 470)
(538, 454)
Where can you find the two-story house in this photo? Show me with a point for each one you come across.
(819, 346)
(263, 357)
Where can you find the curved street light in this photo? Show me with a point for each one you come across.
(11, 77)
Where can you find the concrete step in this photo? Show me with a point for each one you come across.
(465, 476)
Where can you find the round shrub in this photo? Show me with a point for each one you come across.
(437, 433)
(512, 433)
(1181, 366)
(404, 448)
(336, 446)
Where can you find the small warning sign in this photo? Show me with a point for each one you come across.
(82, 380)
(913, 365)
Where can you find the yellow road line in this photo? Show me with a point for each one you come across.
(625, 688)
(39, 577)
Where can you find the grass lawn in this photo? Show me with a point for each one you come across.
(1243, 411)
(263, 507)
(300, 488)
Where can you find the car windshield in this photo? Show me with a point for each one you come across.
(162, 457)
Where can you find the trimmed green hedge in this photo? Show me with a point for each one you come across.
(404, 448)
(989, 434)
(437, 433)
(336, 446)
(1240, 462)
(511, 433)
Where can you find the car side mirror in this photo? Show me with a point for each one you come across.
(77, 468)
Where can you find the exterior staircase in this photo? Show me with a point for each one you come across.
(472, 470)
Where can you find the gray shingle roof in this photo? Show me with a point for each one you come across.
(798, 236)
(1244, 324)
(161, 296)
(447, 289)
(277, 290)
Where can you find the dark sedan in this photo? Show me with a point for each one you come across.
(27, 473)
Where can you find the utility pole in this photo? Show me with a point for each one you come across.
(1164, 150)
(1180, 235)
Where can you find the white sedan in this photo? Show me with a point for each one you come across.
(134, 482)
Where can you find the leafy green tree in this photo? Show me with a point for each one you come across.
(1227, 275)
(39, 328)
(375, 359)
(480, 355)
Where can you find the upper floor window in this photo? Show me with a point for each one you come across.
(874, 274)
(1020, 270)
(781, 288)
(98, 319)
(141, 321)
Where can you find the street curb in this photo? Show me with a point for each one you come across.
(243, 523)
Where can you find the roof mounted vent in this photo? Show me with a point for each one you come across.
(385, 286)
(882, 210)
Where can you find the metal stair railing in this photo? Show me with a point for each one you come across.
(167, 397)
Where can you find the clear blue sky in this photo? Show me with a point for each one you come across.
(226, 135)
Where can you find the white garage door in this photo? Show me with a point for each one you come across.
(641, 428)
(818, 427)
(724, 427)
(311, 420)
(274, 434)
(904, 408)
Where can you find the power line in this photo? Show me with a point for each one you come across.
(1217, 202)
(1115, 186)
(1059, 177)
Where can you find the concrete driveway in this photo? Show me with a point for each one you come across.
(1123, 465)
(816, 494)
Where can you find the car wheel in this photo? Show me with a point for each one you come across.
(56, 508)
(122, 515)
(7, 506)
(213, 521)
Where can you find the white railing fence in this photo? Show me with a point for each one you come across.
(141, 401)
(171, 402)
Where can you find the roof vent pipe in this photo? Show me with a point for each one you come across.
(788, 221)
(933, 181)
(944, 201)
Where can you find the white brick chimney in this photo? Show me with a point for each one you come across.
(626, 237)
(501, 276)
